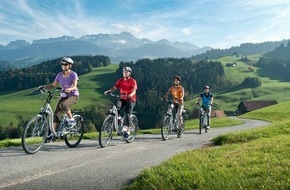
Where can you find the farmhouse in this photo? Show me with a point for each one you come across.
(230, 64)
(250, 105)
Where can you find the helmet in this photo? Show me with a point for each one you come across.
(177, 77)
(127, 69)
(206, 87)
(67, 60)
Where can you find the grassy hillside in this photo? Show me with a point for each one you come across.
(255, 159)
(228, 99)
(25, 104)
(93, 84)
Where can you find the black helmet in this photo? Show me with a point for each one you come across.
(67, 60)
(177, 77)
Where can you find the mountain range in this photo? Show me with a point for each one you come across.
(119, 47)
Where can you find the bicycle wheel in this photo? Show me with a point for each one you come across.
(200, 123)
(34, 134)
(180, 130)
(74, 136)
(133, 129)
(205, 123)
(106, 132)
(166, 128)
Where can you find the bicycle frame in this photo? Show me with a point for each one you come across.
(105, 133)
(48, 112)
(204, 118)
(171, 123)
(174, 121)
(115, 114)
(35, 132)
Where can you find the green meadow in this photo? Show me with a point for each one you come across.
(254, 159)
(272, 88)
(25, 104)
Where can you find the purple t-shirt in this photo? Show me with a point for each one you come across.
(67, 83)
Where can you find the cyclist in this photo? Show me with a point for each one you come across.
(128, 87)
(68, 80)
(177, 92)
(207, 100)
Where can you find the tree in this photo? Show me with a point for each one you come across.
(251, 82)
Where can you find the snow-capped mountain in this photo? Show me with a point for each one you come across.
(119, 47)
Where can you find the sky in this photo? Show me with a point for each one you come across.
(215, 23)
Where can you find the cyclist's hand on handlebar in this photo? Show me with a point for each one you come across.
(67, 91)
(197, 103)
(164, 99)
(107, 92)
(42, 87)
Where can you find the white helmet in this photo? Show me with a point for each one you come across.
(127, 69)
(67, 60)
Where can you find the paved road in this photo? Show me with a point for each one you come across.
(90, 167)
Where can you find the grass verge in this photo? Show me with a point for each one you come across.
(255, 159)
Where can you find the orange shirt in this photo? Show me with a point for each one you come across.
(177, 92)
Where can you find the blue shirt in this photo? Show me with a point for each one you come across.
(206, 99)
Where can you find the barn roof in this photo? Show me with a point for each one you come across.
(251, 105)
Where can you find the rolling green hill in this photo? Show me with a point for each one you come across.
(229, 98)
(25, 104)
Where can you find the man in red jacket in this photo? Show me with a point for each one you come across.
(128, 87)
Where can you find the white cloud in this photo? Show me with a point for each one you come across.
(135, 29)
(186, 31)
(202, 22)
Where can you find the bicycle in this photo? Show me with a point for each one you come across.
(114, 122)
(169, 124)
(35, 132)
(203, 118)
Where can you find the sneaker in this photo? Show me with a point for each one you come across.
(125, 129)
(71, 123)
(126, 136)
(208, 127)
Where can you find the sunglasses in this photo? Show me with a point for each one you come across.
(64, 64)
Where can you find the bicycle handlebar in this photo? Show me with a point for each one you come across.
(42, 89)
(117, 96)
(166, 100)
(114, 95)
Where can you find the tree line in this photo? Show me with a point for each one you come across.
(154, 77)
(242, 50)
(277, 62)
(44, 73)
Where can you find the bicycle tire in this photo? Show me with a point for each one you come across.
(166, 128)
(34, 134)
(205, 127)
(133, 129)
(180, 130)
(75, 135)
(106, 132)
(200, 123)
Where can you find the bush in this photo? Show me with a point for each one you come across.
(251, 82)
